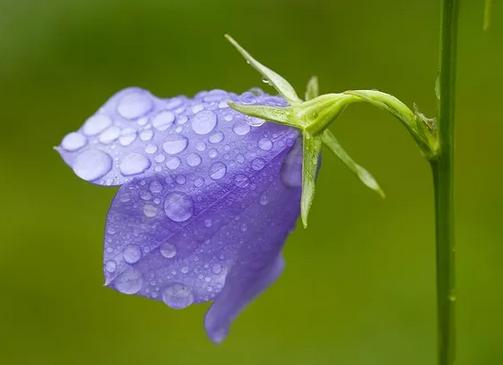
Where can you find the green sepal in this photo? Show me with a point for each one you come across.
(274, 79)
(365, 177)
(311, 152)
(312, 89)
(280, 115)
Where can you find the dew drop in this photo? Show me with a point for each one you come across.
(109, 135)
(216, 269)
(200, 146)
(177, 296)
(128, 136)
(168, 250)
(159, 158)
(174, 144)
(134, 105)
(216, 137)
(92, 164)
(258, 164)
(207, 223)
(204, 122)
(265, 144)
(255, 122)
(193, 160)
(212, 153)
(163, 120)
(198, 182)
(218, 170)
(129, 282)
(178, 206)
(131, 254)
(73, 141)
(264, 200)
(241, 181)
(133, 164)
(151, 149)
(146, 135)
(155, 187)
(110, 266)
(241, 128)
(173, 163)
(149, 210)
(184, 270)
(96, 124)
(180, 179)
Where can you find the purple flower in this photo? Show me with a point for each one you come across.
(207, 196)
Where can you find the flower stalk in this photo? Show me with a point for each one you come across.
(443, 179)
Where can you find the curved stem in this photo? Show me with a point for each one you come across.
(442, 168)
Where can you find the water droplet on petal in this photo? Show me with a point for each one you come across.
(109, 135)
(193, 160)
(146, 135)
(134, 105)
(204, 122)
(207, 223)
(110, 266)
(133, 164)
(216, 137)
(255, 122)
(96, 124)
(73, 141)
(258, 164)
(149, 210)
(163, 120)
(241, 181)
(173, 163)
(168, 250)
(155, 187)
(218, 170)
(216, 269)
(92, 164)
(264, 200)
(131, 254)
(177, 296)
(128, 136)
(129, 282)
(212, 153)
(174, 144)
(151, 149)
(265, 144)
(241, 128)
(178, 206)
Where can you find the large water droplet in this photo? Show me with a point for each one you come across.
(109, 135)
(131, 254)
(73, 141)
(92, 164)
(204, 122)
(178, 206)
(96, 124)
(163, 120)
(129, 282)
(168, 250)
(218, 170)
(193, 160)
(265, 144)
(177, 296)
(133, 164)
(174, 144)
(134, 105)
(241, 128)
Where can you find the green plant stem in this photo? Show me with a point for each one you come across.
(442, 168)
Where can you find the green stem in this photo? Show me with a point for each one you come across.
(442, 168)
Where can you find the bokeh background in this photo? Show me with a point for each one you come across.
(359, 287)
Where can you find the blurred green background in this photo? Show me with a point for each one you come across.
(359, 284)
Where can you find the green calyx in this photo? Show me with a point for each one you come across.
(316, 113)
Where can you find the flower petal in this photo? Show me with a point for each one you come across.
(136, 134)
(205, 235)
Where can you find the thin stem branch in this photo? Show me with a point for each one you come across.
(442, 168)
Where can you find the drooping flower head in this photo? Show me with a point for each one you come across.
(207, 196)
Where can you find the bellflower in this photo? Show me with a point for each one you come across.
(207, 196)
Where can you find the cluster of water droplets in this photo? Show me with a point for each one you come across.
(136, 134)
